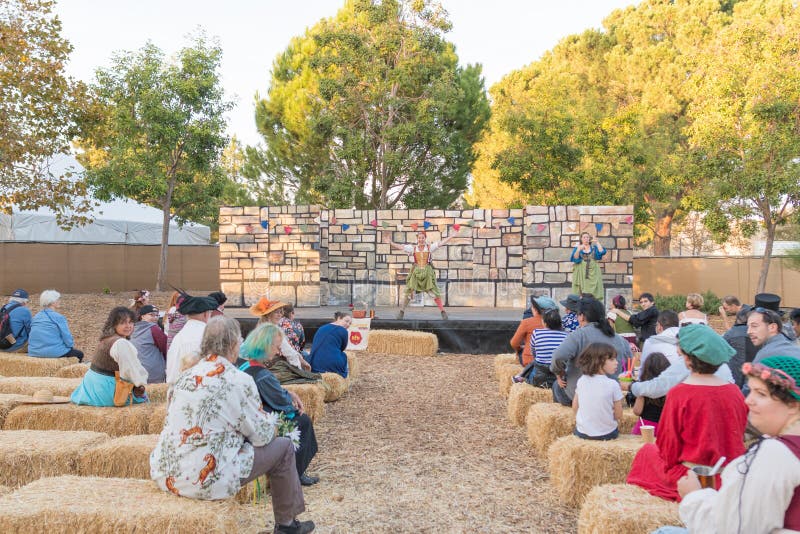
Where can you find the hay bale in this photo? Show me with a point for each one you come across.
(113, 421)
(28, 385)
(313, 397)
(546, 422)
(73, 371)
(625, 508)
(336, 386)
(157, 392)
(577, 465)
(403, 342)
(5, 489)
(520, 398)
(110, 505)
(27, 455)
(20, 364)
(353, 366)
(504, 375)
(158, 415)
(628, 421)
(124, 457)
(503, 359)
(7, 403)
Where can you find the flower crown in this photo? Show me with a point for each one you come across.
(772, 375)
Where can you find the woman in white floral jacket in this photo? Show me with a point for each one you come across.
(216, 437)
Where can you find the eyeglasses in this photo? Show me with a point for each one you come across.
(772, 375)
(771, 316)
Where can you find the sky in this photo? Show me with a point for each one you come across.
(501, 35)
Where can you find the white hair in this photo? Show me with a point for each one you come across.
(48, 297)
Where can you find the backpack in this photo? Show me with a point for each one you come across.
(7, 337)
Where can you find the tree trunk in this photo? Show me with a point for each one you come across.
(766, 258)
(662, 237)
(161, 280)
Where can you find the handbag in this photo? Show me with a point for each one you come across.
(123, 391)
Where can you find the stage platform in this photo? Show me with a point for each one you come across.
(466, 331)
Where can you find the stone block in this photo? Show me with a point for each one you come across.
(364, 247)
(433, 213)
(501, 257)
(225, 247)
(615, 268)
(500, 214)
(537, 219)
(546, 266)
(493, 242)
(515, 261)
(471, 294)
(537, 242)
(245, 219)
(625, 255)
(418, 215)
(554, 278)
(535, 210)
(511, 294)
(456, 213)
(534, 254)
(233, 290)
(338, 294)
(231, 210)
(557, 254)
(561, 213)
(565, 267)
(277, 257)
(226, 229)
(515, 251)
(343, 214)
(511, 239)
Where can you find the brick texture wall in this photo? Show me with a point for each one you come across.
(316, 257)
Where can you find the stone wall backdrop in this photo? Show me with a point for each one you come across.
(317, 257)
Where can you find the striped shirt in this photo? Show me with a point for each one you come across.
(544, 342)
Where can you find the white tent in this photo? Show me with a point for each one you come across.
(117, 221)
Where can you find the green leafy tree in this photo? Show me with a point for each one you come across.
(38, 104)
(158, 133)
(747, 118)
(371, 109)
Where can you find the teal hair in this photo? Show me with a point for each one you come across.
(259, 342)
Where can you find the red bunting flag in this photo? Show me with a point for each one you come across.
(287, 229)
(374, 222)
(456, 227)
(414, 226)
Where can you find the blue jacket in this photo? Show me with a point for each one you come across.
(50, 336)
(327, 350)
(20, 319)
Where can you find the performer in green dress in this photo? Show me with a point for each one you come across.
(586, 275)
(422, 278)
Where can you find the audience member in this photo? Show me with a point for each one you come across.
(50, 336)
(211, 453)
(704, 418)
(151, 344)
(649, 409)
(644, 320)
(597, 402)
(665, 339)
(141, 297)
(594, 329)
(271, 311)
(174, 320)
(765, 329)
(115, 378)
(185, 348)
(693, 315)
(266, 343)
(771, 301)
(327, 348)
(570, 319)
(221, 299)
(19, 317)
(730, 306)
(292, 329)
(794, 317)
(544, 341)
(737, 338)
(521, 340)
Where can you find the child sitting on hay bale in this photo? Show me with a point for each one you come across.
(543, 342)
(649, 410)
(598, 399)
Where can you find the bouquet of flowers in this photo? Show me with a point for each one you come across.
(285, 427)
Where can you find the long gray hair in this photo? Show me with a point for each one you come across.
(221, 336)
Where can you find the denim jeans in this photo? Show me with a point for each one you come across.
(560, 395)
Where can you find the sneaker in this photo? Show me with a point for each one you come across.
(517, 379)
(297, 527)
(400, 314)
(444, 315)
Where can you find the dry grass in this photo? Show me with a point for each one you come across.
(577, 465)
(402, 342)
(28, 385)
(520, 398)
(27, 455)
(13, 364)
(124, 457)
(504, 375)
(157, 392)
(5, 489)
(7, 403)
(69, 504)
(313, 397)
(73, 371)
(625, 508)
(115, 422)
(336, 386)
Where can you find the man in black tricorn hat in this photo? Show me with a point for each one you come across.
(187, 342)
(766, 331)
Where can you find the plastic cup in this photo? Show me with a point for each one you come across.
(648, 433)
(706, 480)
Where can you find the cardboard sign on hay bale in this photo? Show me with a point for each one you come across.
(112, 505)
(27, 455)
(520, 398)
(123, 457)
(577, 465)
(504, 375)
(403, 342)
(501, 360)
(358, 333)
(313, 397)
(113, 421)
(8, 402)
(625, 508)
(336, 386)
(18, 364)
(73, 371)
(28, 385)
